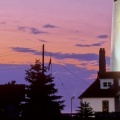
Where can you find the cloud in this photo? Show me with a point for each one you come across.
(49, 26)
(87, 57)
(73, 38)
(36, 31)
(102, 36)
(25, 50)
(22, 28)
(77, 39)
(91, 45)
(31, 30)
(77, 31)
(61, 56)
(43, 40)
(2, 22)
(58, 55)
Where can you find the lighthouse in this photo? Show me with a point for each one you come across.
(115, 37)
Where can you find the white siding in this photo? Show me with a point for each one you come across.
(96, 103)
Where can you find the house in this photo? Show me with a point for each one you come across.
(10, 97)
(104, 93)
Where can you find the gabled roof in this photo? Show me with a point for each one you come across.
(94, 91)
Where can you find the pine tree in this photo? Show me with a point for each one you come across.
(85, 110)
(42, 100)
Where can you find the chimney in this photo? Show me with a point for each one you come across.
(102, 61)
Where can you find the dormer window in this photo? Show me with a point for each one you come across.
(106, 83)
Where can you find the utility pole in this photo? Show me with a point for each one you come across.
(43, 59)
(71, 106)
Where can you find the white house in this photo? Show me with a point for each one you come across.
(103, 94)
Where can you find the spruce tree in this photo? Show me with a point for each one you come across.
(85, 110)
(42, 100)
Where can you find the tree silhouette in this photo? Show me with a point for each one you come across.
(12, 95)
(85, 111)
(42, 100)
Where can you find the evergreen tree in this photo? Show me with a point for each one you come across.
(85, 111)
(42, 100)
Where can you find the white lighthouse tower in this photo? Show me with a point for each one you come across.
(115, 38)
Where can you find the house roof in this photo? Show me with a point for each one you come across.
(12, 93)
(109, 74)
(94, 91)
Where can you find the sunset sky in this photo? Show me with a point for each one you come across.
(72, 31)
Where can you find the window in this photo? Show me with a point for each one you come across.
(105, 106)
(109, 84)
(104, 84)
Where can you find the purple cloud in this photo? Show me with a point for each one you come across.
(22, 28)
(32, 30)
(91, 45)
(25, 50)
(102, 36)
(59, 55)
(49, 26)
(36, 31)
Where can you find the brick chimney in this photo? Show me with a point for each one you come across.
(102, 61)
